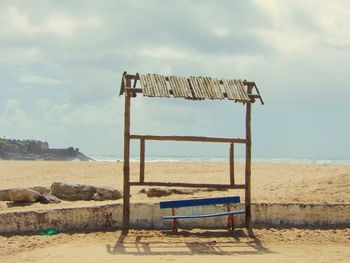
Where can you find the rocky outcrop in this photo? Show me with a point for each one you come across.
(37, 150)
(19, 195)
(72, 192)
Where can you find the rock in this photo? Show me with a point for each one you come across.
(19, 195)
(72, 192)
(40, 189)
(143, 191)
(47, 198)
(107, 193)
(158, 192)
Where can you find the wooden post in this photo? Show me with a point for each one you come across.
(232, 165)
(248, 158)
(142, 160)
(174, 224)
(126, 168)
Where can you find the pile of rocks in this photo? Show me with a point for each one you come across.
(59, 191)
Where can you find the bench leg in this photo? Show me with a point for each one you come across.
(230, 220)
(174, 224)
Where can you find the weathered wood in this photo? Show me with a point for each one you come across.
(232, 165)
(187, 88)
(257, 90)
(248, 156)
(174, 221)
(224, 94)
(126, 165)
(192, 185)
(244, 92)
(176, 86)
(197, 88)
(122, 84)
(144, 87)
(229, 90)
(142, 160)
(217, 89)
(187, 138)
(236, 91)
(203, 88)
(163, 86)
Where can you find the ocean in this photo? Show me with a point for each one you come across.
(217, 159)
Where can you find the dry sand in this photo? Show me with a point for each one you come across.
(261, 245)
(285, 183)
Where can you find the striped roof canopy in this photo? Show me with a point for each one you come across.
(195, 88)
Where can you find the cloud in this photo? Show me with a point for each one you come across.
(39, 80)
(164, 53)
(55, 23)
(297, 52)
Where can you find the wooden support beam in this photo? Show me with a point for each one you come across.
(232, 165)
(126, 166)
(142, 160)
(187, 138)
(248, 158)
(192, 185)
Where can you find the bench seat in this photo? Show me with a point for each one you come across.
(204, 215)
(227, 201)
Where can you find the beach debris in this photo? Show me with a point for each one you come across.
(106, 193)
(40, 189)
(47, 198)
(72, 192)
(48, 232)
(19, 195)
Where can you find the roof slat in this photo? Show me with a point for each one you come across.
(236, 90)
(245, 94)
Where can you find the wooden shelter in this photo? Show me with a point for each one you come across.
(193, 88)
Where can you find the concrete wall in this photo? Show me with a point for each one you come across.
(147, 216)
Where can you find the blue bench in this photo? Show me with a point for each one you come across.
(201, 202)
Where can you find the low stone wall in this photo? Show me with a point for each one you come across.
(147, 216)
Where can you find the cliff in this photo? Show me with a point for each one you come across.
(37, 150)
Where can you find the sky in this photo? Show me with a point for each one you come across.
(61, 64)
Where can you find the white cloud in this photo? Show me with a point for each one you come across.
(39, 80)
(55, 23)
(84, 114)
(164, 53)
(14, 120)
(301, 28)
(20, 55)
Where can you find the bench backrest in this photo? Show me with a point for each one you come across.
(199, 202)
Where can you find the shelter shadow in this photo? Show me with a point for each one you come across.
(180, 246)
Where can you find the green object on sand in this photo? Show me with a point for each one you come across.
(48, 232)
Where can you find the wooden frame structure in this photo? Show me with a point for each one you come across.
(193, 88)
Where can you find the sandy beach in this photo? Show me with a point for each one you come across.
(271, 183)
(261, 245)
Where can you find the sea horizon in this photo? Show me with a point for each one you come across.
(218, 159)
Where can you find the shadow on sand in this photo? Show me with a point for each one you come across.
(169, 243)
